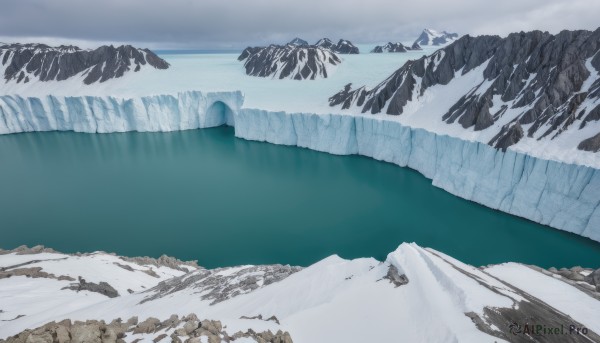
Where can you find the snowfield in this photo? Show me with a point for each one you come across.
(334, 300)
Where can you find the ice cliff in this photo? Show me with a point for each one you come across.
(182, 111)
(563, 196)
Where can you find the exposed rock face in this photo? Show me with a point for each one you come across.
(101, 287)
(394, 276)
(508, 135)
(163, 261)
(591, 144)
(32, 62)
(188, 329)
(547, 82)
(593, 279)
(219, 285)
(342, 47)
(390, 47)
(289, 61)
(433, 37)
(395, 47)
(33, 272)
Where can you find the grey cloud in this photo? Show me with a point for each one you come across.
(236, 23)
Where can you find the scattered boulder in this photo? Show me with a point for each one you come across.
(148, 326)
(93, 331)
(86, 333)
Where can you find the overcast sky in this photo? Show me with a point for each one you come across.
(206, 24)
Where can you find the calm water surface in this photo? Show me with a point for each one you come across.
(205, 195)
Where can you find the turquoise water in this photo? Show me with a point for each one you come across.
(205, 195)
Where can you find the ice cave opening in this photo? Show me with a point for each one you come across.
(219, 114)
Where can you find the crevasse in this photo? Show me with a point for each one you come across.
(560, 195)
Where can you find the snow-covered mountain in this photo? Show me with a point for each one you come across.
(433, 37)
(533, 89)
(299, 42)
(342, 47)
(395, 47)
(38, 62)
(298, 62)
(415, 295)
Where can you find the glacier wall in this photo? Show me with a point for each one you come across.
(560, 195)
(563, 196)
(183, 111)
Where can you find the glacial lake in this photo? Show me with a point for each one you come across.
(208, 196)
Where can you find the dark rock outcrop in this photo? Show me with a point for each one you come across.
(28, 62)
(217, 286)
(394, 276)
(508, 135)
(389, 47)
(590, 144)
(32, 272)
(101, 288)
(288, 62)
(539, 75)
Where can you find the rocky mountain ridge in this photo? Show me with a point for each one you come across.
(342, 47)
(395, 47)
(39, 62)
(297, 62)
(532, 84)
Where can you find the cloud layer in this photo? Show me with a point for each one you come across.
(237, 23)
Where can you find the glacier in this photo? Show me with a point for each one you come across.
(560, 195)
(104, 114)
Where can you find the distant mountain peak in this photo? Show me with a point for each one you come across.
(39, 62)
(395, 47)
(298, 41)
(434, 37)
(291, 61)
(343, 46)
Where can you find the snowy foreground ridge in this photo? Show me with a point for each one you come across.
(415, 295)
(563, 196)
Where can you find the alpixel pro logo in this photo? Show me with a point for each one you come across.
(546, 330)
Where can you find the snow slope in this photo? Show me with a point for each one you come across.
(334, 300)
